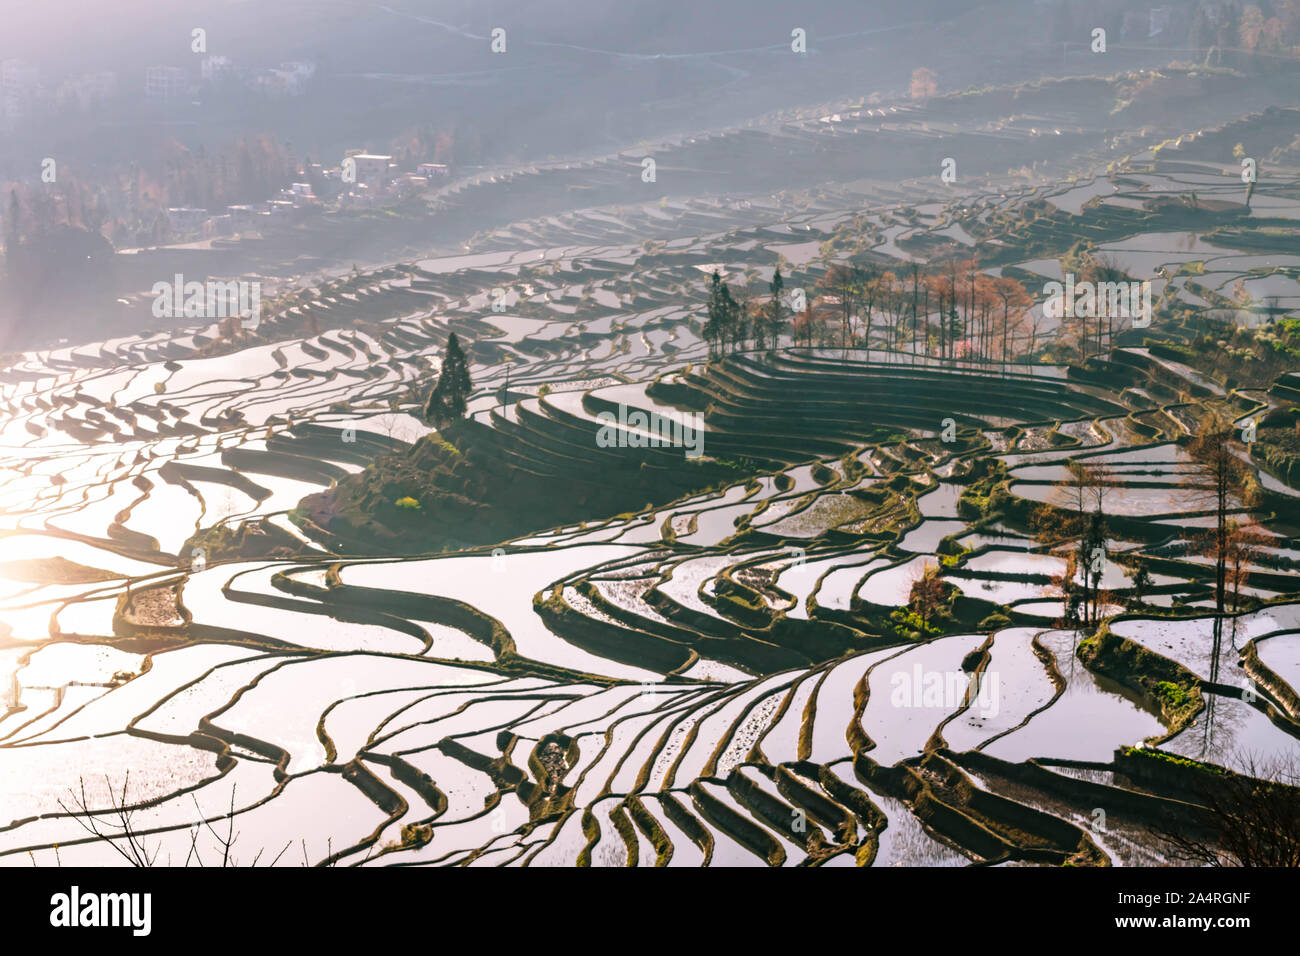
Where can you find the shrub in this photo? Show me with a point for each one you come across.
(1171, 693)
(908, 624)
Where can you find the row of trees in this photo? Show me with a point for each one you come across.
(128, 204)
(952, 311)
(736, 321)
(1271, 27)
(955, 312)
(56, 262)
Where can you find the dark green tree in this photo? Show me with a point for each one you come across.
(776, 312)
(714, 325)
(723, 323)
(955, 328)
(1141, 583)
(449, 399)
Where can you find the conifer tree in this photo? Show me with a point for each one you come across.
(450, 397)
(775, 316)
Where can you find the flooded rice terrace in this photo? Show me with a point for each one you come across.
(196, 622)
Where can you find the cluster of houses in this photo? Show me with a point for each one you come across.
(185, 222)
(369, 179)
(360, 180)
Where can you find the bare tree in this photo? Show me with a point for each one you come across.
(1222, 480)
(116, 826)
(1242, 819)
(1075, 514)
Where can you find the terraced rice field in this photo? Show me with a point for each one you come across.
(707, 673)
